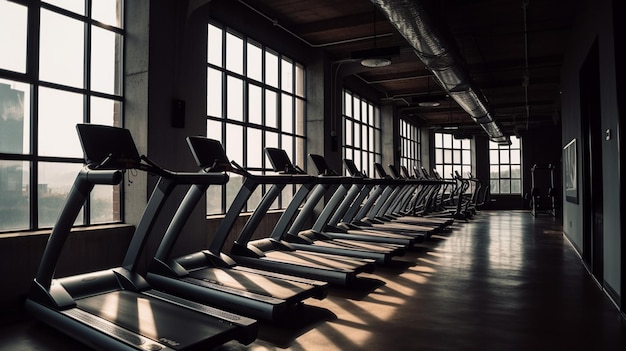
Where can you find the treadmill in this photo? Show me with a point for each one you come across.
(115, 309)
(268, 253)
(211, 276)
(317, 241)
(325, 222)
(386, 194)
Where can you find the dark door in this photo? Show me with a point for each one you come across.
(591, 152)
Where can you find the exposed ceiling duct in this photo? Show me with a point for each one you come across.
(413, 22)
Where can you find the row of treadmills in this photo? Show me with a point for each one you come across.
(208, 298)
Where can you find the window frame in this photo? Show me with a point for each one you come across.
(34, 159)
(410, 144)
(292, 99)
(460, 151)
(362, 113)
(496, 167)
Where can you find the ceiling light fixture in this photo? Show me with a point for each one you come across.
(375, 62)
(429, 104)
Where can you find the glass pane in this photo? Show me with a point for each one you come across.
(356, 112)
(255, 62)
(14, 202)
(505, 172)
(286, 196)
(516, 171)
(356, 140)
(54, 183)
(214, 130)
(348, 133)
(516, 186)
(286, 143)
(505, 186)
(300, 81)
(271, 109)
(286, 76)
(106, 60)
(364, 111)
(14, 117)
(347, 104)
(515, 156)
(376, 118)
(59, 112)
(107, 11)
(234, 98)
(495, 186)
(438, 155)
(105, 111)
(447, 156)
(271, 139)
(465, 144)
(447, 172)
(493, 157)
(456, 143)
(232, 188)
(13, 24)
(467, 157)
(214, 93)
(214, 48)
(447, 140)
(466, 171)
(300, 122)
(504, 156)
(105, 204)
(255, 104)
(271, 69)
(515, 143)
(77, 6)
(300, 152)
(364, 138)
(494, 172)
(254, 148)
(214, 199)
(286, 114)
(234, 53)
(254, 199)
(61, 49)
(438, 140)
(456, 154)
(234, 145)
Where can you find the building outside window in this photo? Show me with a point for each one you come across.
(452, 155)
(410, 145)
(255, 99)
(361, 132)
(61, 64)
(505, 165)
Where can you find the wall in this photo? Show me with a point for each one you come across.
(594, 22)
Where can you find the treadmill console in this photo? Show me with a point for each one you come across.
(108, 147)
(209, 153)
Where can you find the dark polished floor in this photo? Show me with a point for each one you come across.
(503, 281)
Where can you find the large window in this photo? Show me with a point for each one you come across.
(61, 64)
(361, 132)
(410, 145)
(452, 155)
(505, 164)
(255, 99)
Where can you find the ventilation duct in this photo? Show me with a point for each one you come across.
(412, 21)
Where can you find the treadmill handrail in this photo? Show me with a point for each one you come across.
(85, 181)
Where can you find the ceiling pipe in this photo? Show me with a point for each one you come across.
(412, 21)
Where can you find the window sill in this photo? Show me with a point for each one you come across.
(85, 229)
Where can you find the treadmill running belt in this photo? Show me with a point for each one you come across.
(254, 283)
(155, 319)
(313, 260)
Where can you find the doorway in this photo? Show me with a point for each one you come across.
(591, 152)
